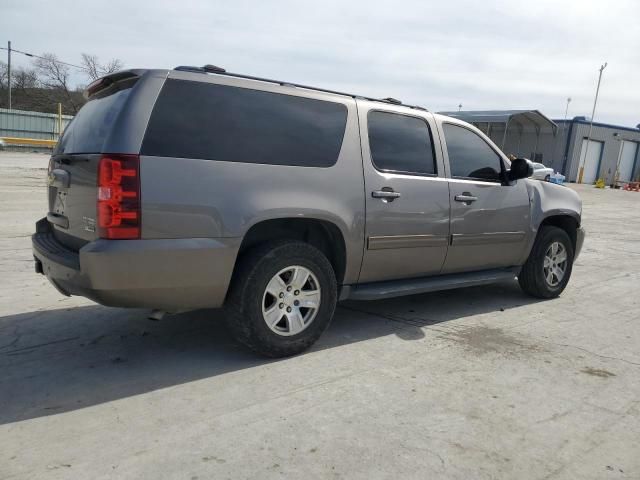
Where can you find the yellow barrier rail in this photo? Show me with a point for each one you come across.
(33, 142)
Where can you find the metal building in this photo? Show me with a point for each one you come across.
(613, 153)
(25, 124)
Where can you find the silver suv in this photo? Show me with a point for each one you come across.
(197, 188)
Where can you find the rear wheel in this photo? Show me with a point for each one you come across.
(283, 296)
(548, 268)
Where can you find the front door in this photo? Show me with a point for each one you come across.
(489, 219)
(407, 196)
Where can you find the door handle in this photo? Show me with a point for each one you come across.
(386, 194)
(466, 197)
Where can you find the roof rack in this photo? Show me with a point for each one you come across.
(221, 71)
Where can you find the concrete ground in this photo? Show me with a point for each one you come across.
(476, 383)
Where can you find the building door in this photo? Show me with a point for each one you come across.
(591, 163)
(407, 194)
(627, 160)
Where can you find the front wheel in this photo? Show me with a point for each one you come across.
(547, 178)
(283, 296)
(548, 268)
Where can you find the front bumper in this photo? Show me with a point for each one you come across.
(165, 274)
(580, 234)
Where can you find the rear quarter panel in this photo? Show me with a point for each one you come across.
(192, 198)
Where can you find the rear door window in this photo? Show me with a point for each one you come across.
(401, 143)
(88, 130)
(470, 156)
(219, 122)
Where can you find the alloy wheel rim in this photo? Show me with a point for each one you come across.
(291, 300)
(555, 264)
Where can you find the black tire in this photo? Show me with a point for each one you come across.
(532, 278)
(243, 306)
(547, 178)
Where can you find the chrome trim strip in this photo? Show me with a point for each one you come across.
(475, 182)
(406, 241)
(462, 239)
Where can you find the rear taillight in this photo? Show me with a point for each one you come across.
(119, 197)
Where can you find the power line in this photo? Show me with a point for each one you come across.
(27, 54)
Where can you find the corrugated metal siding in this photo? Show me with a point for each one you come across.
(552, 147)
(523, 143)
(24, 124)
(611, 150)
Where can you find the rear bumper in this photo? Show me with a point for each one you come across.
(580, 234)
(165, 274)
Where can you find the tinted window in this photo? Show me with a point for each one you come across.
(400, 143)
(469, 155)
(218, 122)
(89, 128)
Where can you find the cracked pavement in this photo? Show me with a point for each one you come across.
(476, 383)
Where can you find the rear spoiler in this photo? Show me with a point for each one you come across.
(106, 84)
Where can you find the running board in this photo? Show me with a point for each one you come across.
(399, 288)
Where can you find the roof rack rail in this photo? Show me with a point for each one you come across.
(221, 71)
(188, 68)
(213, 69)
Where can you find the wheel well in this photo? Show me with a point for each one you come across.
(566, 223)
(323, 235)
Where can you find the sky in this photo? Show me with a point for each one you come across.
(438, 54)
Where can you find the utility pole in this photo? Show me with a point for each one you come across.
(566, 110)
(558, 135)
(9, 71)
(593, 112)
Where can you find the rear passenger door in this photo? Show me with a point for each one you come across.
(489, 218)
(407, 196)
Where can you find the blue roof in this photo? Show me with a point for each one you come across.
(600, 124)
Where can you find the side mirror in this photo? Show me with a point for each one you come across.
(520, 168)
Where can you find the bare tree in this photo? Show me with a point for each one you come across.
(52, 81)
(24, 79)
(94, 69)
(21, 78)
(26, 89)
(91, 66)
(54, 75)
(113, 65)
